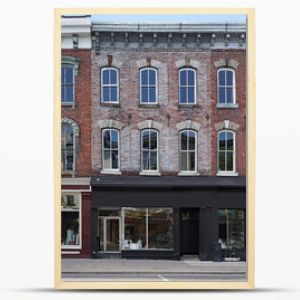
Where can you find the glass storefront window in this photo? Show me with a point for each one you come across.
(70, 221)
(148, 228)
(232, 228)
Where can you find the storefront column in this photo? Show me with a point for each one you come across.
(94, 232)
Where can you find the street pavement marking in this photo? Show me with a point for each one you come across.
(163, 278)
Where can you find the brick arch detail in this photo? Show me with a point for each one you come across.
(227, 124)
(109, 123)
(223, 63)
(149, 124)
(188, 124)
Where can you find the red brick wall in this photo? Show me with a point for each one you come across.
(237, 115)
(81, 113)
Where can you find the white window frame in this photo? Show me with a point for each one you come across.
(187, 172)
(225, 86)
(227, 173)
(187, 86)
(148, 85)
(110, 170)
(65, 247)
(149, 172)
(110, 85)
(69, 65)
(74, 150)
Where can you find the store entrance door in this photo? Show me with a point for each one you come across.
(109, 234)
(189, 231)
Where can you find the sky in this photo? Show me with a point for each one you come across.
(165, 18)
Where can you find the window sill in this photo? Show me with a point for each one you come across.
(150, 105)
(188, 105)
(188, 174)
(68, 104)
(227, 174)
(110, 104)
(111, 172)
(69, 173)
(150, 173)
(231, 105)
(70, 252)
(66, 248)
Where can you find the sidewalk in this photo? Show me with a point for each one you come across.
(130, 266)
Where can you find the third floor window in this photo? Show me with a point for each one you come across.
(148, 86)
(109, 85)
(187, 86)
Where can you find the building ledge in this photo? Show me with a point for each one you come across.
(111, 172)
(227, 174)
(231, 105)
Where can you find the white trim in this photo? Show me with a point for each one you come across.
(76, 191)
(76, 181)
(156, 85)
(149, 172)
(186, 86)
(188, 172)
(70, 252)
(117, 85)
(227, 105)
(65, 247)
(110, 170)
(73, 67)
(227, 173)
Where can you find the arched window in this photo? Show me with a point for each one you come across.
(226, 86)
(188, 150)
(67, 147)
(226, 151)
(149, 150)
(148, 86)
(109, 85)
(67, 83)
(187, 86)
(110, 149)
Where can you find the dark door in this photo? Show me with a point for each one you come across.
(189, 230)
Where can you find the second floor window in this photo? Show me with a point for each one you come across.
(226, 151)
(187, 86)
(149, 149)
(226, 86)
(109, 85)
(188, 151)
(148, 86)
(110, 149)
(67, 147)
(67, 83)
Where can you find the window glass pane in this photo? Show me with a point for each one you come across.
(105, 95)
(63, 93)
(191, 161)
(229, 140)
(191, 95)
(229, 95)
(144, 75)
(69, 93)
(222, 140)
(106, 139)
(114, 138)
(153, 139)
(113, 76)
(145, 139)
(231, 229)
(115, 159)
(70, 228)
(184, 138)
(221, 77)
(191, 77)
(135, 228)
(68, 75)
(192, 140)
(229, 77)
(70, 202)
(106, 159)
(221, 160)
(183, 79)
(144, 95)
(183, 161)
(105, 77)
(152, 77)
(221, 95)
(160, 228)
(113, 94)
(229, 161)
(63, 75)
(183, 95)
(152, 95)
(145, 160)
(153, 160)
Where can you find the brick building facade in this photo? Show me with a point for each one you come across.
(159, 145)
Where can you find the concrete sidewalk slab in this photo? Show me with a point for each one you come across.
(124, 266)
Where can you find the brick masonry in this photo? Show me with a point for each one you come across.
(81, 113)
(168, 113)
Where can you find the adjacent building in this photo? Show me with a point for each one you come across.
(153, 140)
